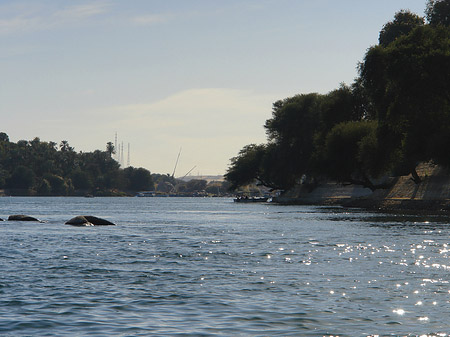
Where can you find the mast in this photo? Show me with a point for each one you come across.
(176, 163)
(188, 172)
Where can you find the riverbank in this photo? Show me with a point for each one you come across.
(432, 195)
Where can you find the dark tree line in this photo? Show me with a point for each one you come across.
(395, 115)
(43, 168)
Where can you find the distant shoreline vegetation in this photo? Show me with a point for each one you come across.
(41, 168)
(394, 116)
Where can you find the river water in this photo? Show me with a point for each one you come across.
(211, 267)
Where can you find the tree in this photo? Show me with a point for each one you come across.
(110, 148)
(217, 188)
(164, 182)
(4, 137)
(298, 126)
(48, 169)
(58, 185)
(394, 116)
(139, 179)
(438, 12)
(362, 104)
(44, 187)
(196, 185)
(404, 22)
(245, 167)
(4, 176)
(81, 180)
(66, 157)
(65, 147)
(291, 132)
(21, 178)
(347, 152)
(338, 106)
(408, 81)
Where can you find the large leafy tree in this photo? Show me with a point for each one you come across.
(348, 151)
(81, 180)
(291, 130)
(408, 81)
(138, 179)
(22, 178)
(245, 167)
(438, 12)
(339, 105)
(404, 22)
(296, 134)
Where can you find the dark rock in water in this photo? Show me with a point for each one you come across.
(88, 220)
(21, 217)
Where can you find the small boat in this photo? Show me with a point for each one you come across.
(145, 194)
(252, 199)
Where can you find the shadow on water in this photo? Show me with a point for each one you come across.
(390, 220)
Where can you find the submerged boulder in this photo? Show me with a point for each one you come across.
(88, 220)
(22, 217)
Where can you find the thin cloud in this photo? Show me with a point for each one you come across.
(151, 19)
(21, 19)
(82, 11)
(162, 18)
(19, 23)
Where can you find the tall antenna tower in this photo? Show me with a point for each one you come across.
(128, 157)
(121, 155)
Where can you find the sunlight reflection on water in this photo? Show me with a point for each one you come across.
(214, 268)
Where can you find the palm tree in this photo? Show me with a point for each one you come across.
(110, 149)
(64, 146)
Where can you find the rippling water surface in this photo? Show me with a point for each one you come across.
(210, 267)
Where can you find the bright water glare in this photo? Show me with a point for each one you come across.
(211, 267)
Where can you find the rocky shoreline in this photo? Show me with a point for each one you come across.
(431, 196)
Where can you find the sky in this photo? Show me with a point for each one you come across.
(165, 75)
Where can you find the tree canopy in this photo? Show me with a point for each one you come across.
(438, 12)
(44, 168)
(404, 22)
(395, 115)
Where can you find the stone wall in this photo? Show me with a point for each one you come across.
(432, 194)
